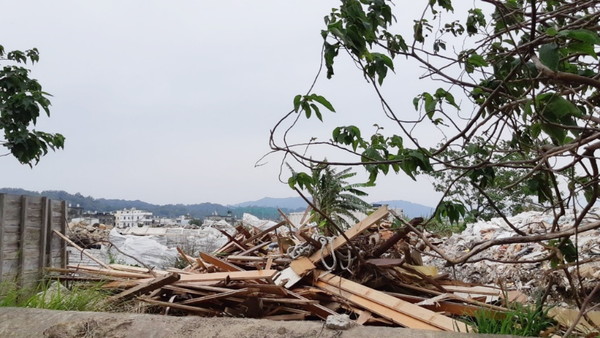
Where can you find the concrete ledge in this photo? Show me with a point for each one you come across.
(20, 322)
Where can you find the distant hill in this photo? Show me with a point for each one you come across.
(200, 210)
(286, 202)
(265, 208)
(410, 209)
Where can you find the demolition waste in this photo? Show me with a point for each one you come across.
(377, 273)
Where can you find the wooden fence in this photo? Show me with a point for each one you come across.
(27, 244)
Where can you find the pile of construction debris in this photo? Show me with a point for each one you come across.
(88, 235)
(373, 272)
(530, 278)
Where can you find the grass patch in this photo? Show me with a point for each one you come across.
(445, 229)
(54, 296)
(520, 320)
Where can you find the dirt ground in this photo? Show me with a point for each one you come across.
(20, 322)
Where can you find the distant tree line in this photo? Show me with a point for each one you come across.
(199, 211)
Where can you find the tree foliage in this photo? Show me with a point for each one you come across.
(21, 101)
(332, 195)
(515, 87)
(494, 201)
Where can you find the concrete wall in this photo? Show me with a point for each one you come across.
(27, 243)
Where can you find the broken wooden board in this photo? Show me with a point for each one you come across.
(302, 265)
(316, 309)
(416, 312)
(130, 268)
(219, 263)
(385, 312)
(566, 317)
(187, 308)
(232, 275)
(436, 305)
(385, 262)
(217, 296)
(100, 271)
(356, 230)
(143, 288)
(289, 277)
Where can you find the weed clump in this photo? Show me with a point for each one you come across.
(54, 296)
(520, 320)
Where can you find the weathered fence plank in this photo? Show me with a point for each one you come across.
(43, 234)
(1, 235)
(21, 245)
(26, 241)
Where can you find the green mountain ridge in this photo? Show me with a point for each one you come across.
(264, 208)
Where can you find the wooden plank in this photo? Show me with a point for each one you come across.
(254, 248)
(63, 229)
(2, 221)
(43, 234)
(385, 262)
(48, 236)
(316, 309)
(101, 271)
(179, 306)
(290, 316)
(231, 275)
(269, 263)
(119, 284)
(286, 219)
(264, 288)
(442, 305)
(302, 265)
(412, 310)
(289, 277)
(264, 232)
(287, 309)
(143, 288)
(130, 268)
(280, 260)
(21, 247)
(219, 263)
(188, 259)
(90, 256)
(290, 301)
(233, 240)
(216, 296)
(363, 317)
(474, 290)
(385, 312)
(356, 230)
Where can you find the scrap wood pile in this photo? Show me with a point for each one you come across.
(371, 272)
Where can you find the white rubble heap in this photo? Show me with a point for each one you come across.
(157, 246)
(251, 220)
(530, 278)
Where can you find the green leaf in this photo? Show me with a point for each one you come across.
(583, 48)
(297, 100)
(582, 35)
(536, 128)
(554, 107)
(317, 111)
(549, 55)
(430, 104)
(557, 134)
(324, 102)
(306, 107)
(551, 31)
(477, 60)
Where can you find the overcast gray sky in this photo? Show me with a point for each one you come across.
(172, 101)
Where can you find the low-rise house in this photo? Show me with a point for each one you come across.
(128, 218)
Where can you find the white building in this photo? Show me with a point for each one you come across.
(128, 218)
